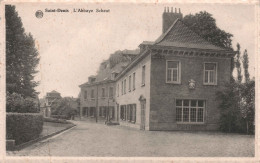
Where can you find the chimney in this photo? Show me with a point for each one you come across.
(169, 18)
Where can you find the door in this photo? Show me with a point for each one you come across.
(142, 125)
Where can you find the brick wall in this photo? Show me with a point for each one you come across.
(163, 95)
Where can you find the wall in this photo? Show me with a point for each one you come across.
(133, 96)
(163, 95)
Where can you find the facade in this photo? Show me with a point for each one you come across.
(97, 96)
(172, 83)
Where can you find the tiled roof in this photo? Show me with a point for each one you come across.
(179, 35)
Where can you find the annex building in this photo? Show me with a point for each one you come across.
(170, 84)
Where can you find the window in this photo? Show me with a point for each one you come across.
(111, 92)
(173, 74)
(85, 111)
(122, 88)
(111, 112)
(210, 73)
(92, 94)
(143, 75)
(85, 95)
(103, 93)
(102, 111)
(190, 111)
(92, 111)
(129, 84)
(131, 113)
(133, 81)
(123, 112)
(117, 90)
(125, 86)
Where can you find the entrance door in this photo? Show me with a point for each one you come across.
(142, 125)
(117, 112)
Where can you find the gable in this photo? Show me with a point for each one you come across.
(179, 35)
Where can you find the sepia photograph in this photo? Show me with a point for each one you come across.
(130, 80)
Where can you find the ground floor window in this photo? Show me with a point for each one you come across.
(191, 111)
(92, 111)
(102, 111)
(131, 112)
(123, 112)
(111, 112)
(85, 111)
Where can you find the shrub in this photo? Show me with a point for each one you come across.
(55, 120)
(60, 116)
(16, 103)
(23, 127)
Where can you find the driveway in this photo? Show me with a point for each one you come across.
(91, 139)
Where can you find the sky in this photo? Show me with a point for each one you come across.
(72, 45)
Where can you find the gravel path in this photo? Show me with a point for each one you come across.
(91, 139)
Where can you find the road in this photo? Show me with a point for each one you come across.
(91, 139)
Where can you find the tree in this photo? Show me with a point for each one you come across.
(230, 118)
(238, 64)
(22, 57)
(205, 25)
(245, 65)
(64, 107)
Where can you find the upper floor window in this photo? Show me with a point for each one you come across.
(122, 88)
(125, 86)
(129, 84)
(111, 92)
(143, 75)
(134, 81)
(210, 73)
(103, 93)
(92, 94)
(85, 95)
(117, 90)
(173, 74)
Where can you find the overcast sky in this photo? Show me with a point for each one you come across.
(72, 45)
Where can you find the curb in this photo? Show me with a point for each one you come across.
(24, 145)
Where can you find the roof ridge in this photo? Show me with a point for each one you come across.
(165, 33)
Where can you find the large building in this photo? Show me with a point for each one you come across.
(172, 83)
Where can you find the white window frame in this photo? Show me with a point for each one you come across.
(197, 108)
(178, 71)
(216, 74)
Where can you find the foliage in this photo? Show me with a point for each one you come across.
(237, 107)
(23, 127)
(117, 57)
(21, 56)
(245, 66)
(205, 25)
(238, 64)
(16, 103)
(55, 120)
(64, 108)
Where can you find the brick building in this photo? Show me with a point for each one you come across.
(172, 83)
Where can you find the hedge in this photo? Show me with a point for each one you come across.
(23, 127)
(55, 120)
(60, 116)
